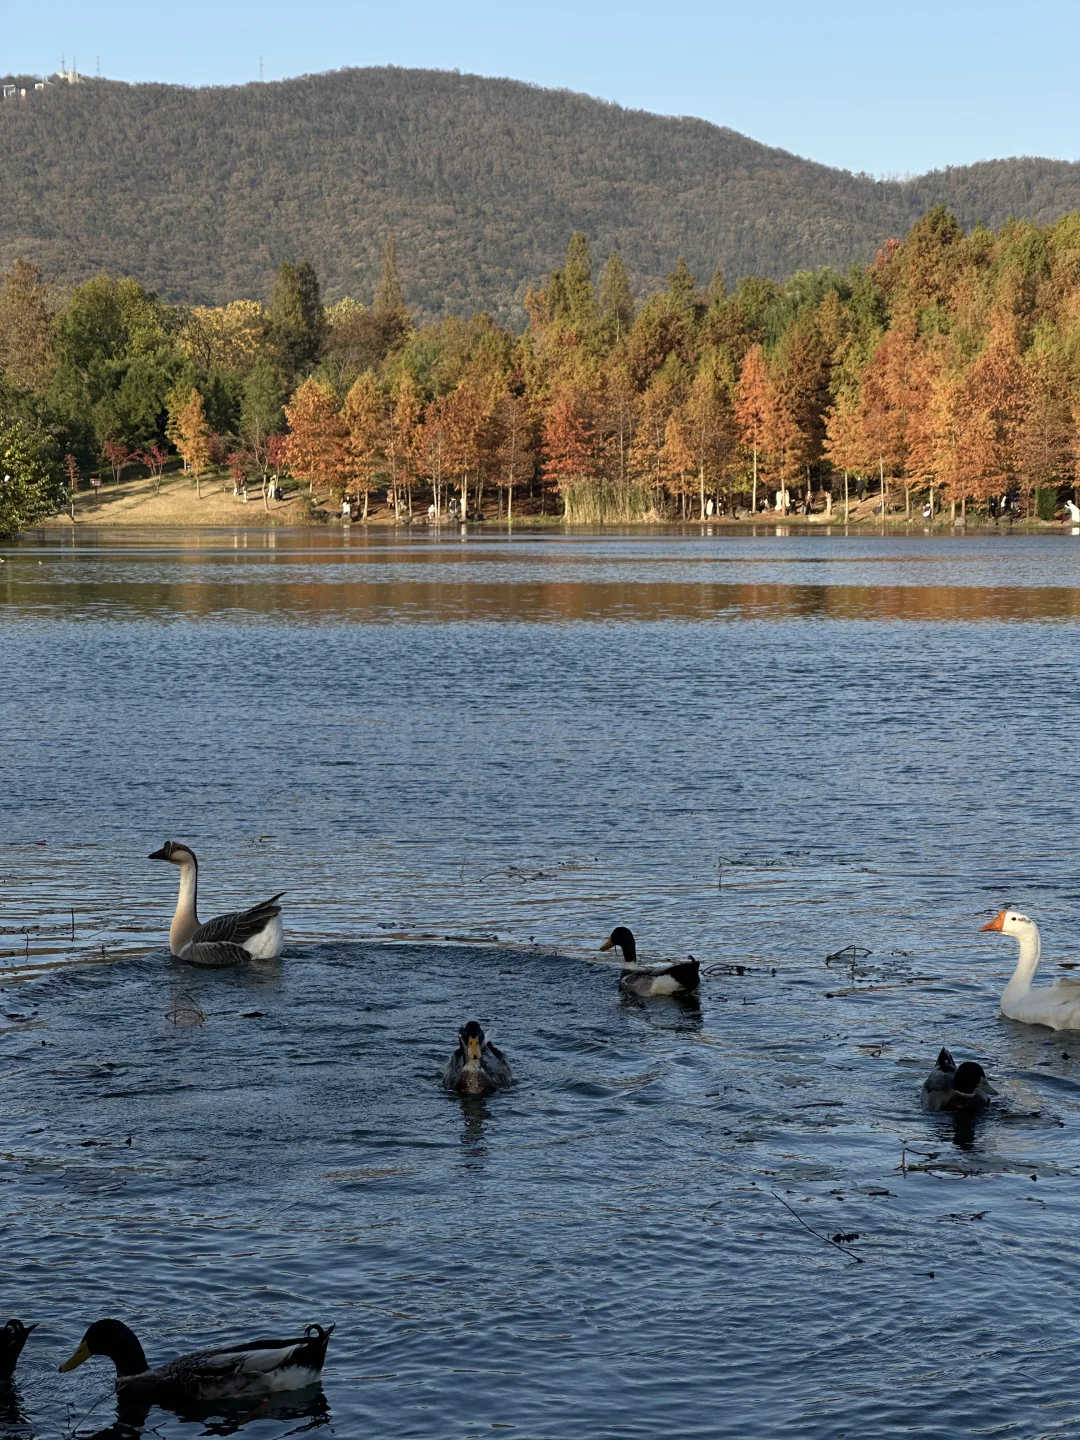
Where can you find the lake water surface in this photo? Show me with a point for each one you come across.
(466, 758)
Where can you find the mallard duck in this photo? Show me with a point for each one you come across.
(955, 1087)
(12, 1339)
(253, 934)
(1056, 1005)
(476, 1067)
(259, 1367)
(681, 979)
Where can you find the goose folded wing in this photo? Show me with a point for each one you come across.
(215, 955)
(238, 925)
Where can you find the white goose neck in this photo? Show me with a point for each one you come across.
(1030, 943)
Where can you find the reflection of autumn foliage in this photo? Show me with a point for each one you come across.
(438, 598)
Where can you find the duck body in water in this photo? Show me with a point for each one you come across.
(477, 1067)
(258, 1367)
(233, 939)
(681, 979)
(12, 1339)
(1056, 1005)
(959, 1089)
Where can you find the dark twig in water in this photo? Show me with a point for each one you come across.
(837, 1241)
(83, 1419)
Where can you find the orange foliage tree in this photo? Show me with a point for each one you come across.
(362, 414)
(315, 446)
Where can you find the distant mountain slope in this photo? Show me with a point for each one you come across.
(201, 193)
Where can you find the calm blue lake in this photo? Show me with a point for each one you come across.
(466, 758)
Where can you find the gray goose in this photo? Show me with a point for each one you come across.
(233, 939)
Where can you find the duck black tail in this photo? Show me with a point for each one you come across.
(688, 974)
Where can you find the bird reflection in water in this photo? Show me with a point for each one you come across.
(680, 1012)
(964, 1127)
(224, 1417)
(474, 1112)
(13, 1418)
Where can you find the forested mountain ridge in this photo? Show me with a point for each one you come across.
(200, 193)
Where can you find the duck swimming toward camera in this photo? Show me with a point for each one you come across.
(254, 934)
(476, 1067)
(957, 1088)
(12, 1339)
(681, 979)
(260, 1367)
(1056, 1005)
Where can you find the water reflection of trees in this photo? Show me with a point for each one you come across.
(556, 601)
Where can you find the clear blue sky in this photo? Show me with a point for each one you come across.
(886, 88)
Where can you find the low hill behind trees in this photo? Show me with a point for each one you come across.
(200, 193)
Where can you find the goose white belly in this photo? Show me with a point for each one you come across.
(1056, 1006)
(266, 945)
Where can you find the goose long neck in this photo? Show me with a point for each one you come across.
(186, 920)
(1028, 961)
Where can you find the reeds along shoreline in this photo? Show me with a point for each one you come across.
(942, 374)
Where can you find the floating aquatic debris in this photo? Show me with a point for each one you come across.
(840, 1240)
(185, 1011)
(848, 956)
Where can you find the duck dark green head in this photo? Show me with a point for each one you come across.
(113, 1339)
(622, 939)
(971, 1077)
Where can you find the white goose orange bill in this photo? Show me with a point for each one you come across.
(997, 923)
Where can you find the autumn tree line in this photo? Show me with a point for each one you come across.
(946, 372)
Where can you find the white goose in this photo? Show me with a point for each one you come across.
(1056, 1005)
(253, 934)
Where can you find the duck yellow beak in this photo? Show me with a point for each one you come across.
(997, 923)
(81, 1354)
(474, 1048)
(608, 944)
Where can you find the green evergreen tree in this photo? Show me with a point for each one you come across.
(572, 293)
(616, 301)
(682, 289)
(390, 314)
(717, 291)
(297, 323)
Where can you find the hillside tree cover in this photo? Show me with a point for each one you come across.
(946, 370)
(200, 194)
